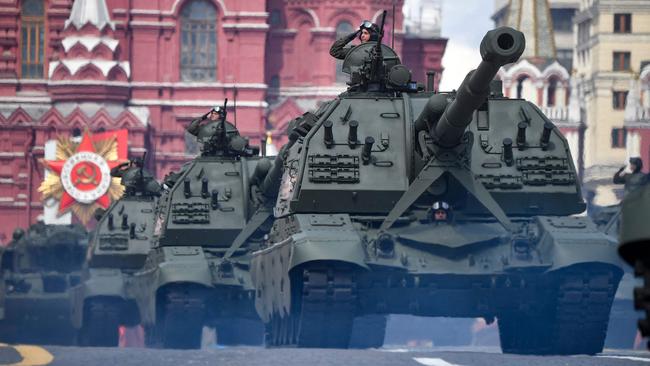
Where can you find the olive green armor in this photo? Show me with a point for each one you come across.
(118, 247)
(353, 238)
(211, 214)
(40, 267)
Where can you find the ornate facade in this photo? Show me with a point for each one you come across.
(539, 76)
(611, 58)
(150, 67)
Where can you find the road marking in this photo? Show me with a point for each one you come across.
(396, 350)
(433, 361)
(631, 358)
(32, 355)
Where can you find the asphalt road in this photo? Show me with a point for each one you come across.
(235, 356)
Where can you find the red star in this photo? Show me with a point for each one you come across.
(56, 166)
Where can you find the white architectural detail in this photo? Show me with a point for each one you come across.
(89, 42)
(423, 18)
(94, 12)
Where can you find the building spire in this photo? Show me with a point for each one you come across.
(533, 18)
(94, 12)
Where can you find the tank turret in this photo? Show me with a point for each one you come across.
(136, 179)
(499, 47)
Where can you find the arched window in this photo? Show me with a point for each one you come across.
(551, 91)
(520, 86)
(198, 41)
(342, 29)
(32, 18)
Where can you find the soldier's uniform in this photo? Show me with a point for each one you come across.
(634, 180)
(136, 179)
(338, 49)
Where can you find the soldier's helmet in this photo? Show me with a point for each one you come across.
(440, 212)
(638, 164)
(18, 234)
(372, 28)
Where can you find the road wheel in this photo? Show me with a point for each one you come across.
(574, 323)
(368, 331)
(101, 323)
(182, 320)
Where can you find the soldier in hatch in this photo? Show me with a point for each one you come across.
(368, 31)
(633, 180)
(218, 136)
(135, 178)
(440, 212)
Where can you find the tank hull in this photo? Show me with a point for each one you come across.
(449, 278)
(196, 281)
(100, 302)
(38, 319)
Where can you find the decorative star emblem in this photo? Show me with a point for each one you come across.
(82, 179)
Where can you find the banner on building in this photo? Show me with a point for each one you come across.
(79, 174)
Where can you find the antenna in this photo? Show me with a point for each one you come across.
(392, 42)
(235, 104)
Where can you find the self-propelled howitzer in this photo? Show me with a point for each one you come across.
(397, 200)
(208, 219)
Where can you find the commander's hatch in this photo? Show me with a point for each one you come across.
(356, 58)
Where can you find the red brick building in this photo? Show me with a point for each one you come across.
(151, 67)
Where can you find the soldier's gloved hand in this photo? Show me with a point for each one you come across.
(621, 170)
(352, 36)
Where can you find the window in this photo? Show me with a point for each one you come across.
(622, 23)
(562, 19)
(550, 92)
(621, 61)
(584, 32)
(619, 137)
(275, 82)
(198, 41)
(275, 18)
(618, 100)
(32, 16)
(342, 29)
(520, 86)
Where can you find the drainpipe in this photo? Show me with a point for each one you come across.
(30, 166)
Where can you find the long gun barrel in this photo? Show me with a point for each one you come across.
(499, 47)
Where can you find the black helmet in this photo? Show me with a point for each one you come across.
(638, 163)
(137, 162)
(372, 28)
(440, 211)
(218, 109)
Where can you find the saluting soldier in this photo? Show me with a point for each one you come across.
(633, 180)
(368, 31)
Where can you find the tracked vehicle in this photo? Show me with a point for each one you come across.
(357, 230)
(206, 224)
(119, 246)
(40, 267)
(635, 238)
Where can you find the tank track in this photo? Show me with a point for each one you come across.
(368, 331)
(323, 307)
(238, 331)
(642, 297)
(575, 323)
(101, 324)
(181, 324)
